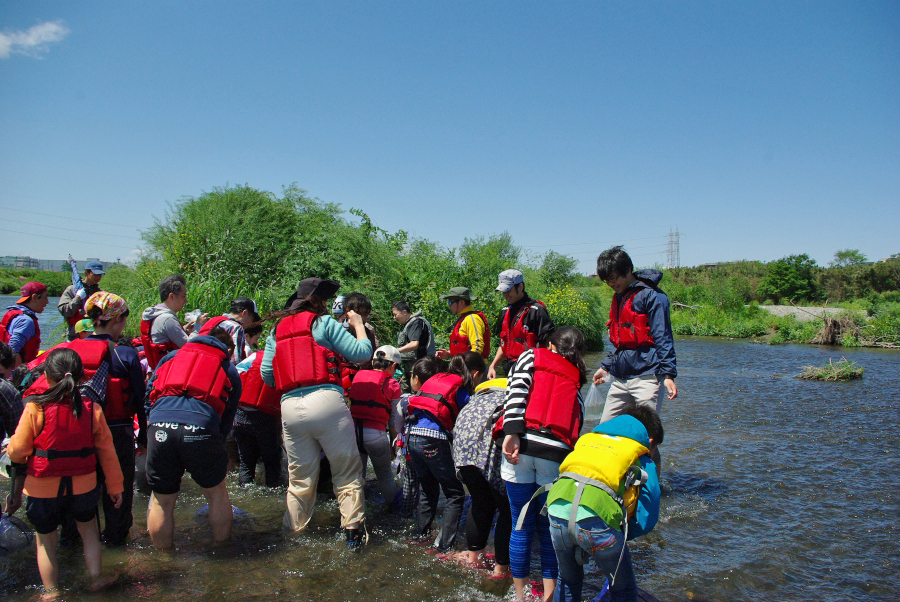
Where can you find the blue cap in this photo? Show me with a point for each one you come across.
(95, 266)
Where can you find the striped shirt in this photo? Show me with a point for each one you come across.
(532, 443)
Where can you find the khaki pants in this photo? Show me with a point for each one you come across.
(313, 422)
(638, 390)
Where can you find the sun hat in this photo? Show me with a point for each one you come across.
(457, 292)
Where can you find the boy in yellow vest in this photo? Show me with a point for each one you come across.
(607, 493)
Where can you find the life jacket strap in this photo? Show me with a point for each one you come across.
(540, 490)
(54, 454)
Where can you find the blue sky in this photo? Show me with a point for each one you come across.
(756, 129)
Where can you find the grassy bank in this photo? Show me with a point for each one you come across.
(12, 279)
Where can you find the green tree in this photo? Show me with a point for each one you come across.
(792, 277)
(848, 257)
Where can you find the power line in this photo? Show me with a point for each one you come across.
(602, 242)
(93, 242)
(6, 219)
(78, 219)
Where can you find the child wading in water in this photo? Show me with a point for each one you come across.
(61, 436)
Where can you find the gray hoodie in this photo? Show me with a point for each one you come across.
(165, 326)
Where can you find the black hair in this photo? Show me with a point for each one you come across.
(222, 335)
(425, 368)
(398, 305)
(650, 419)
(569, 343)
(357, 302)
(174, 283)
(475, 363)
(253, 330)
(380, 362)
(63, 366)
(313, 303)
(7, 357)
(458, 367)
(613, 262)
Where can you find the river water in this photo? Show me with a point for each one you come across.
(773, 488)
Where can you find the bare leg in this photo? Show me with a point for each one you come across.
(46, 560)
(549, 586)
(520, 583)
(161, 519)
(220, 513)
(90, 538)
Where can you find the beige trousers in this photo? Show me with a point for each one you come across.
(314, 422)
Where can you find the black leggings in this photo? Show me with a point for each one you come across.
(485, 502)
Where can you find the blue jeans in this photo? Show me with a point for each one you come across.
(603, 544)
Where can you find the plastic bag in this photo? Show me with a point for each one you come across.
(14, 534)
(593, 403)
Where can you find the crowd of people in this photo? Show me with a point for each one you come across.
(322, 390)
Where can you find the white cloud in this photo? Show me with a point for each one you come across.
(34, 42)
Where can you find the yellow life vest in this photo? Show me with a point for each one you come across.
(606, 459)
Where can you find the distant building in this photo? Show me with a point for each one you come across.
(48, 265)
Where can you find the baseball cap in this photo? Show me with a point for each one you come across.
(84, 325)
(508, 279)
(31, 288)
(95, 266)
(391, 353)
(242, 303)
(457, 292)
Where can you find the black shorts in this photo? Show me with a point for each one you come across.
(173, 448)
(46, 513)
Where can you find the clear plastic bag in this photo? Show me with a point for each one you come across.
(593, 403)
(14, 534)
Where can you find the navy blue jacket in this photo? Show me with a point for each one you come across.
(187, 410)
(658, 359)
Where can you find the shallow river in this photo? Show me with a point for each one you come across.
(773, 488)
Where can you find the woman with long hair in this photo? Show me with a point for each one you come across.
(301, 359)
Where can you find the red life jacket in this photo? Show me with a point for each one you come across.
(212, 323)
(116, 404)
(31, 347)
(348, 373)
(79, 315)
(552, 404)
(255, 393)
(627, 328)
(194, 371)
(299, 360)
(515, 340)
(154, 351)
(460, 343)
(65, 445)
(368, 403)
(437, 398)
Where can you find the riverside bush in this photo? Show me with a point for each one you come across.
(238, 241)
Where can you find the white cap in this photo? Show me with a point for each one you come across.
(390, 353)
(337, 308)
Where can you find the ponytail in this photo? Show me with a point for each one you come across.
(63, 366)
(458, 367)
(569, 343)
